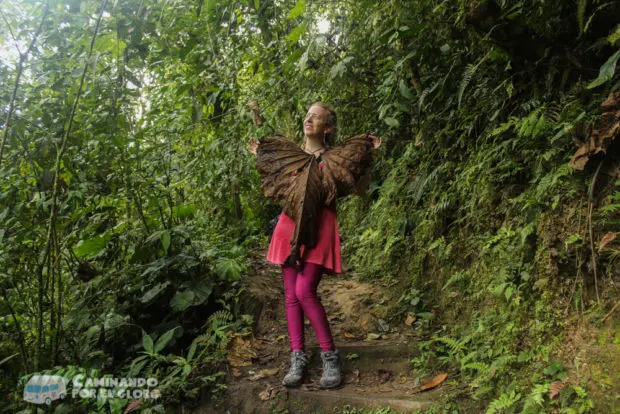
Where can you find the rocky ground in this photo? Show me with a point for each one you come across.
(375, 348)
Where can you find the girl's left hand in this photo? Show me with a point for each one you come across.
(376, 142)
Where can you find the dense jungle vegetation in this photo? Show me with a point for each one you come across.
(129, 201)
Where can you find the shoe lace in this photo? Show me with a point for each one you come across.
(331, 362)
(298, 360)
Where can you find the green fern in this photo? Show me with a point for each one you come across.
(506, 400)
(476, 366)
(456, 277)
(536, 397)
(219, 318)
(614, 200)
(468, 74)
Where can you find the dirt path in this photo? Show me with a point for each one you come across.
(375, 347)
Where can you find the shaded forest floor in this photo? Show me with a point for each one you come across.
(359, 315)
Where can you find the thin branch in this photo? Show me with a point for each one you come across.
(590, 209)
(54, 207)
(611, 312)
(11, 31)
(20, 333)
(20, 68)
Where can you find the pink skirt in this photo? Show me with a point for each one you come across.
(326, 252)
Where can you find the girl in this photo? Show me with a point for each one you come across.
(301, 281)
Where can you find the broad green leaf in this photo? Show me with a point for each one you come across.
(298, 10)
(228, 269)
(164, 340)
(154, 292)
(192, 351)
(393, 122)
(91, 248)
(339, 68)
(165, 240)
(427, 316)
(147, 342)
(182, 300)
(184, 210)
(607, 71)
(296, 33)
(404, 90)
(615, 36)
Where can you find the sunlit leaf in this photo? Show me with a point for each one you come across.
(296, 33)
(606, 73)
(298, 10)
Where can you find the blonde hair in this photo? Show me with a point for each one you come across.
(332, 122)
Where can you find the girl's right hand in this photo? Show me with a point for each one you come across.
(252, 145)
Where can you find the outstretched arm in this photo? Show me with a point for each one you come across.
(362, 184)
(253, 145)
(376, 142)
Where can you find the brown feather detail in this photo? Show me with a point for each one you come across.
(346, 165)
(299, 195)
(293, 178)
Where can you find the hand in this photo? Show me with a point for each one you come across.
(376, 142)
(252, 145)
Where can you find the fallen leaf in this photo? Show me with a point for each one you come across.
(556, 387)
(384, 375)
(269, 372)
(366, 319)
(241, 350)
(236, 372)
(598, 138)
(434, 382)
(410, 319)
(372, 336)
(385, 337)
(132, 405)
(281, 337)
(264, 373)
(356, 374)
(349, 335)
(383, 325)
(268, 394)
(608, 238)
(612, 102)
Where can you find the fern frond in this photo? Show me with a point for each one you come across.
(468, 74)
(477, 366)
(219, 318)
(504, 401)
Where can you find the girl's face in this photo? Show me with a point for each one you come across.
(315, 124)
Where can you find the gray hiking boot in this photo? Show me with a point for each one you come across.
(332, 377)
(299, 362)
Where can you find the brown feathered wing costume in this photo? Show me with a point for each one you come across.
(293, 178)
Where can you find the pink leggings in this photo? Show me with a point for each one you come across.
(300, 298)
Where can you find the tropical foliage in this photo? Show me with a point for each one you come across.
(128, 201)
